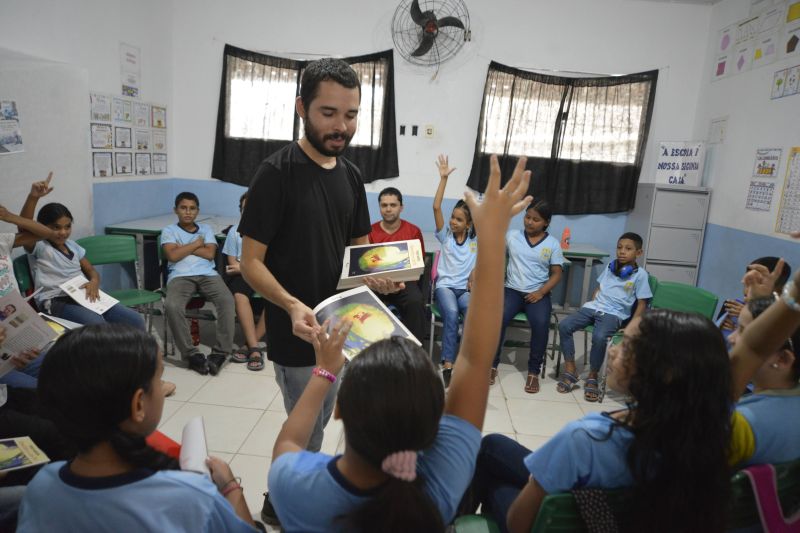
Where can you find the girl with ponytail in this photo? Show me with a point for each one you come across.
(107, 406)
(409, 451)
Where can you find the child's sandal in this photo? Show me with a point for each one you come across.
(242, 355)
(591, 392)
(255, 361)
(567, 382)
(532, 384)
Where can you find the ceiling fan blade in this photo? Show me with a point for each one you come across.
(416, 14)
(424, 45)
(450, 21)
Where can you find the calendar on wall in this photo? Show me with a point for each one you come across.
(759, 196)
(789, 212)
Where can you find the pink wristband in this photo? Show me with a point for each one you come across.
(321, 372)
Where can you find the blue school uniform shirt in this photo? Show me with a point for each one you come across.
(233, 243)
(529, 265)
(583, 455)
(143, 500)
(618, 295)
(191, 265)
(309, 493)
(774, 419)
(456, 261)
(51, 267)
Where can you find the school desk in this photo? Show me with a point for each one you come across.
(588, 254)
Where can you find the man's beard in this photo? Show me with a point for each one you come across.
(318, 141)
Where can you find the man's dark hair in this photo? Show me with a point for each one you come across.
(771, 263)
(635, 237)
(326, 69)
(391, 191)
(185, 195)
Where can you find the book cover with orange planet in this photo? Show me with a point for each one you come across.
(372, 320)
(398, 261)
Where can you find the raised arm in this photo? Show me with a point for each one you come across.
(469, 388)
(259, 277)
(38, 190)
(443, 165)
(30, 231)
(763, 337)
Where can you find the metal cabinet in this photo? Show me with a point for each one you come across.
(672, 221)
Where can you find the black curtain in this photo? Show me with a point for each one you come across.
(237, 156)
(584, 137)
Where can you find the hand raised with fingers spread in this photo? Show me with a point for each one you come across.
(443, 164)
(328, 348)
(41, 188)
(500, 204)
(759, 281)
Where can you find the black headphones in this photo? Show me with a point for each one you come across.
(625, 272)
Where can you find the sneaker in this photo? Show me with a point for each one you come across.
(447, 373)
(268, 515)
(198, 363)
(215, 362)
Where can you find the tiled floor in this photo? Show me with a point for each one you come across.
(243, 412)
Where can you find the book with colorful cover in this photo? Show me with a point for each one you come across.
(398, 261)
(20, 452)
(372, 320)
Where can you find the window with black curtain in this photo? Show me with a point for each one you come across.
(584, 137)
(257, 114)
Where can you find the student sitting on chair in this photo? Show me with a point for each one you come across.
(60, 259)
(390, 228)
(622, 285)
(243, 294)
(766, 426)
(534, 268)
(190, 249)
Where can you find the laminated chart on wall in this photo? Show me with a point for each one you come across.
(789, 212)
(128, 137)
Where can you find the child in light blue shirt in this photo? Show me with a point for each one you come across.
(622, 285)
(534, 267)
(190, 249)
(456, 261)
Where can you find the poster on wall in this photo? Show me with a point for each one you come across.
(789, 211)
(159, 163)
(680, 163)
(143, 165)
(122, 137)
(101, 107)
(130, 69)
(122, 110)
(10, 132)
(766, 50)
(159, 141)
(759, 195)
(142, 139)
(159, 117)
(101, 136)
(123, 163)
(141, 115)
(768, 160)
(716, 130)
(101, 164)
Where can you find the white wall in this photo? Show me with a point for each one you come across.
(754, 121)
(596, 36)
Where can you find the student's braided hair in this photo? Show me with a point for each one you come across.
(86, 384)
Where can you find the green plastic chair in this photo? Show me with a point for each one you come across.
(682, 297)
(119, 249)
(22, 271)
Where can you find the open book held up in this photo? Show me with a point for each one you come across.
(398, 261)
(372, 320)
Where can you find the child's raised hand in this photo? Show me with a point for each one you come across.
(41, 188)
(328, 348)
(759, 281)
(443, 164)
(493, 214)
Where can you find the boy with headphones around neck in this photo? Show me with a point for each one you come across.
(622, 285)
